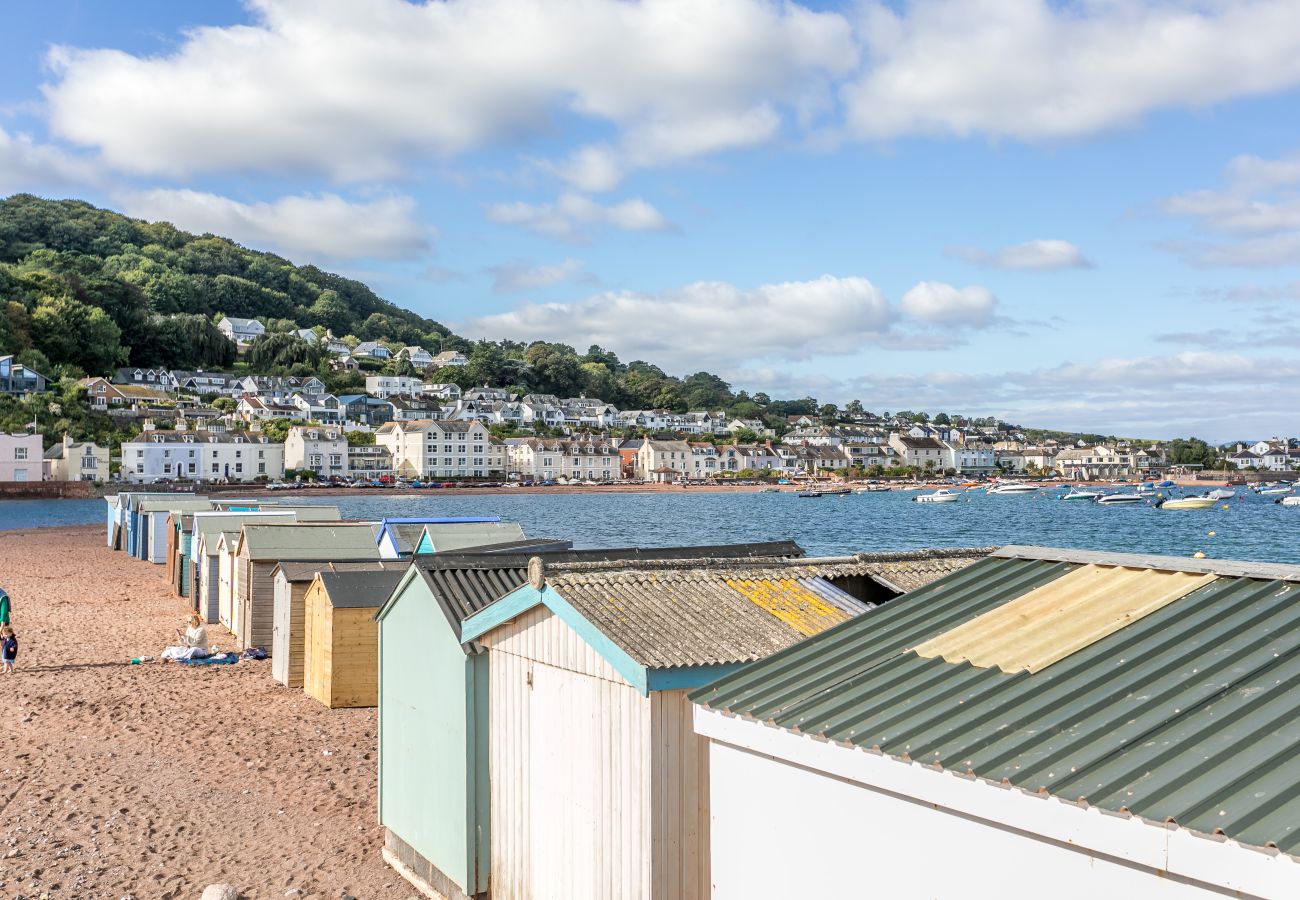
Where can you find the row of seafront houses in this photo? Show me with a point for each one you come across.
(744, 721)
(439, 449)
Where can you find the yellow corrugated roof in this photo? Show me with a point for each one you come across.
(1049, 623)
(791, 602)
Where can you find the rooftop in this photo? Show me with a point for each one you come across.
(1158, 687)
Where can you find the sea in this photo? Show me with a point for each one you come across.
(1246, 527)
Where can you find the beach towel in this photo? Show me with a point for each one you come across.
(219, 659)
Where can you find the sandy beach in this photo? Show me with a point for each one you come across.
(155, 780)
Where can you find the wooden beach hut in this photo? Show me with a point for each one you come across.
(207, 530)
(433, 708)
(399, 538)
(261, 547)
(291, 580)
(152, 546)
(341, 651)
(591, 749)
(206, 535)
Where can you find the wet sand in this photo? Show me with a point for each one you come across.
(156, 780)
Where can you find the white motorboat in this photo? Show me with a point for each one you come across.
(1222, 494)
(943, 495)
(1288, 501)
(1278, 487)
(1120, 499)
(1187, 503)
(1012, 487)
(1080, 494)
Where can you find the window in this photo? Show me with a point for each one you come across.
(239, 467)
(89, 462)
(139, 468)
(216, 469)
(261, 468)
(192, 468)
(20, 453)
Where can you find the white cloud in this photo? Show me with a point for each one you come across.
(520, 275)
(710, 320)
(944, 305)
(324, 227)
(357, 90)
(1258, 210)
(1034, 69)
(571, 216)
(1115, 395)
(1039, 255)
(27, 166)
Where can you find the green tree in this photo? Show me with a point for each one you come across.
(69, 331)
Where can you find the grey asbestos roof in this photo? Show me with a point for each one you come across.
(465, 582)
(360, 589)
(297, 571)
(705, 612)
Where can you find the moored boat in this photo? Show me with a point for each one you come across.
(1288, 501)
(1187, 503)
(1221, 494)
(1012, 487)
(1277, 487)
(943, 495)
(1120, 499)
(1079, 494)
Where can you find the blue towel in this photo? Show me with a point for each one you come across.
(219, 659)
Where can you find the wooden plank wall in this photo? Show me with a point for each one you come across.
(354, 658)
(316, 644)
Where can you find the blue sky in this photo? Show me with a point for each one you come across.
(1071, 214)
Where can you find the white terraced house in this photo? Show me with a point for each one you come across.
(545, 459)
(206, 455)
(323, 450)
(437, 448)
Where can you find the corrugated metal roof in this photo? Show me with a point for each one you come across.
(296, 572)
(310, 541)
(362, 589)
(704, 612)
(1186, 714)
(1067, 614)
(183, 504)
(212, 526)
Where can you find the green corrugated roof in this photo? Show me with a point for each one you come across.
(1188, 714)
(317, 540)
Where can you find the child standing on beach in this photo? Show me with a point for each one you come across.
(8, 648)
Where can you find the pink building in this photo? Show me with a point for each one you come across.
(21, 457)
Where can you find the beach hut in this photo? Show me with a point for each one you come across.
(114, 521)
(400, 538)
(291, 580)
(204, 542)
(128, 503)
(207, 530)
(591, 751)
(261, 547)
(433, 708)
(340, 646)
(153, 515)
(1045, 723)
(450, 538)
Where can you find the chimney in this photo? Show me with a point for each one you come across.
(147, 425)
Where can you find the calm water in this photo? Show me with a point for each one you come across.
(1250, 528)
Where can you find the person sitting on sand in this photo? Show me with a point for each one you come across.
(193, 641)
(8, 648)
(195, 635)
